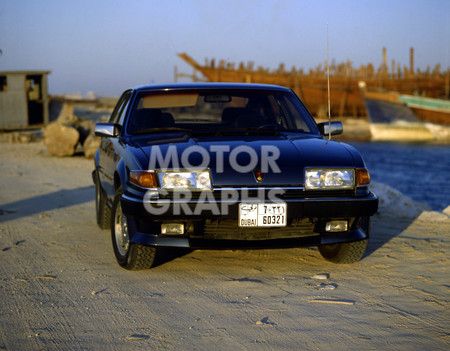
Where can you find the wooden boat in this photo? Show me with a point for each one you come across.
(427, 109)
(393, 118)
(346, 96)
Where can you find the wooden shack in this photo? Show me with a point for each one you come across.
(23, 99)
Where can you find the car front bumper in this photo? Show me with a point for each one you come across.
(214, 228)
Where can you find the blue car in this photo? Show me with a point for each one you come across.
(227, 166)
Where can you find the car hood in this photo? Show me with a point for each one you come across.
(285, 169)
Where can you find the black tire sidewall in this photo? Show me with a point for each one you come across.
(98, 199)
(350, 252)
(121, 259)
(102, 211)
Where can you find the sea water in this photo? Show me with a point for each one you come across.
(420, 171)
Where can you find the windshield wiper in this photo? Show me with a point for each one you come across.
(286, 130)
(234, 131)
(160, 130)
(280, 129)
(272, 130)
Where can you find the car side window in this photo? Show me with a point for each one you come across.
(120, 109)
(124, 109)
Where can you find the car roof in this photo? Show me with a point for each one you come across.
(210, 86)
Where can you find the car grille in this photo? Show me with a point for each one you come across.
(228, 229)
(244, 194)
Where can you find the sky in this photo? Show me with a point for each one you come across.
(107, 46)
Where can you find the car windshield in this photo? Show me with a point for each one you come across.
(219, 112)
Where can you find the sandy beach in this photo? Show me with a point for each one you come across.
(61, 288)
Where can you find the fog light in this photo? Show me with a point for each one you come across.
(336, 226)
(172, 228)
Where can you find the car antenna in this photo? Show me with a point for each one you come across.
(328, 76)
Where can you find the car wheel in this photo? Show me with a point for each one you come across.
(129, 255)
(344, 252)
(348, 252)
(103, 212)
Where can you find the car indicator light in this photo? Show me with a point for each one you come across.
(143, 179)
(362, 177)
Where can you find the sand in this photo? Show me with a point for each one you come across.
(61, 288)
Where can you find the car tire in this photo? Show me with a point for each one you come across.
(129, 255)
(348, 252)
(102, 210)
(344, 252)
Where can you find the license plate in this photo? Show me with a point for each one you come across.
(262, 215)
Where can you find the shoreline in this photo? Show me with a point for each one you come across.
(362, 130)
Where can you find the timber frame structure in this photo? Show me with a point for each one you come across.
(348, 84)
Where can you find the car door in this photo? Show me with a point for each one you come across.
(109, 155)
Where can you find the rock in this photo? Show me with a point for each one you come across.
(264, 321)
(61, 139)
(63, 135)
(86, 136)
(91, 145)
(85, 128)
(327, 286)
(68, 120)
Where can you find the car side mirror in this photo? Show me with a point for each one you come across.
(335, 127)
(107, 129)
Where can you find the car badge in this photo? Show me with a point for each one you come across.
(259, 175)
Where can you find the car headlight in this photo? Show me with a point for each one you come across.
(192, 180)
(318, 179)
